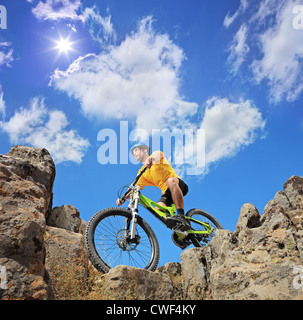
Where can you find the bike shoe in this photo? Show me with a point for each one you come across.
(178, 222)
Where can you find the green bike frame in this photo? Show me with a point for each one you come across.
(162, 212)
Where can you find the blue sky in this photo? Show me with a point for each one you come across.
(230, 68)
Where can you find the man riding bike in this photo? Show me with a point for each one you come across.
(163, 176)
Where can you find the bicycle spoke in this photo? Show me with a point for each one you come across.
(109, 232)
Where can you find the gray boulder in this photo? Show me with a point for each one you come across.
(130, 283)
(26, 181)
(66, 217)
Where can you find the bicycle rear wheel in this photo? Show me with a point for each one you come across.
(108, 240)
(205, 217)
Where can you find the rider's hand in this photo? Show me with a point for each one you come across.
(148, 162)
(119, 202)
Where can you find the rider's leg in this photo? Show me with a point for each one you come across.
(162, 204)
(177, 197)
(176, 193)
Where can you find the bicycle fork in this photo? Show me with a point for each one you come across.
(134, 209)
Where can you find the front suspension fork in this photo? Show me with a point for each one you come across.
(134, 210)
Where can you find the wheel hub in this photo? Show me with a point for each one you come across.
(124, 241)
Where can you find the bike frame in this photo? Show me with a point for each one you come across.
(161, 213)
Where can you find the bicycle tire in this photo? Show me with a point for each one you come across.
(99, 258)
(196, 240)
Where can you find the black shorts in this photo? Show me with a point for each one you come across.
(167, 197)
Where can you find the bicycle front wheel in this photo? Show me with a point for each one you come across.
(108, 240)
(206, 218)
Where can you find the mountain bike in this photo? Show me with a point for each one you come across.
(119, 236)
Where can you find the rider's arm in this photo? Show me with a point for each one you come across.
(119, 201)
(154, 158)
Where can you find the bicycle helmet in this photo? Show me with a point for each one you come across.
(140, 145)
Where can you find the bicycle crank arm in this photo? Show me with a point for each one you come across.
(185, 233)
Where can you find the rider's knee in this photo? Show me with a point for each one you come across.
(172, 181)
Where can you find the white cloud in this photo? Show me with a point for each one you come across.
(2, 102)
(276, 47)
(281, 64)
(238, 49)
(137, 79)
(40, 127)
(57, 9)
(6, 54)
(229, 126)
(100, 28)
(228, 20)
(225, 129)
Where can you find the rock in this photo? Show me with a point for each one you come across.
(293, 188)
(258, 260)
(249, 218)
(194, 273)
(42, 250)
(66, 217)
(66, 254)
(25, 198)
(37, 165)
(130, 283)
(174, 271)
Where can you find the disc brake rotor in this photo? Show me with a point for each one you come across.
(124, 241)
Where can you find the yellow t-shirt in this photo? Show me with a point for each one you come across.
(157, 175)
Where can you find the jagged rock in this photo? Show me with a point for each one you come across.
(174, 271)
(261, 259)
(130, 283)
(65, 250)
(293, 188)
(37, 165)
(66, 217)
(258, 260)
(193, 273)
(26, 181)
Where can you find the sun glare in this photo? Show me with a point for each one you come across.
(64, 45)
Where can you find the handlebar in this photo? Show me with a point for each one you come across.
(123, 199)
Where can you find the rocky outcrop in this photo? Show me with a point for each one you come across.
(262, 258)
(26, 181)
(43, 254)
(66, 217)
(30, 250)
(137, 284)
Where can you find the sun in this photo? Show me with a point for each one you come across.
(64, 45)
